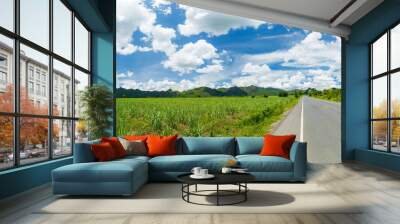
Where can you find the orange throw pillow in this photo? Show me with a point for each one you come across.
(116, 145)
(103, 152)
(161, 145)
(277, 145)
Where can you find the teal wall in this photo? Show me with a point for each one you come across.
(356, 85)
(103, 63)
(24, 178)
(99, 15)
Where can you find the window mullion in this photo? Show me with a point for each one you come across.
(389, 106)
(50, 81)
(16, 85)
(73, 81)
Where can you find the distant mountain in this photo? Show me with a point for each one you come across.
(201, 92)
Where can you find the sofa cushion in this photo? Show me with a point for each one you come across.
(257, 163)
(249, 145)
(112, 171)
(206, 145)
(185, 163)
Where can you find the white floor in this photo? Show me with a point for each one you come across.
(377, 190)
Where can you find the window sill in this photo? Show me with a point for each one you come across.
(30, 166)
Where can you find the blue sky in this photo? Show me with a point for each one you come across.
(162, 45)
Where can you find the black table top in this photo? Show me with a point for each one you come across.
(220, 178)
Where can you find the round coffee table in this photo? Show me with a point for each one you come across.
(238, 179)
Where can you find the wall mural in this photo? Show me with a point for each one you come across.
(201, 73)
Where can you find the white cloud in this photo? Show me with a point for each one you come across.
(312, 51)
(207, 80)
(162, 39)
(263, 76)
(123, 75)
(133, 15)
(214, 68)
(251, 69)
(212, 23)
(316, 64)
(162, 5)
(191, 56)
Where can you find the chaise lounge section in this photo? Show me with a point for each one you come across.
(125, 176)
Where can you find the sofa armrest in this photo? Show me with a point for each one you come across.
(298, 155)
(83, 152)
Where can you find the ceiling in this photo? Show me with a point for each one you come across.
(329, 16)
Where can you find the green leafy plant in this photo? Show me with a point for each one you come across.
(96, 102)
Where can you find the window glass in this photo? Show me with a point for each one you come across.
(395, 136)
(34, 21)
(379, 135)
(7, 14)
(33, 140)
(39, 62)
(62, 29)
(6, 142)
(81, 82)
(62, 138)
(395, 47)
(379, 56)
(6, 74)
(81, 45)
(395, 95)
(81, 131)
(379, 98)
(62, 89)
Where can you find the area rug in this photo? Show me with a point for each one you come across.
(166, 198)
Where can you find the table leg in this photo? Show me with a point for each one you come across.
(245, 193)
(195, 188)
(188, 189)
(217, 194)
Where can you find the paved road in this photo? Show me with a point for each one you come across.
(318, 123)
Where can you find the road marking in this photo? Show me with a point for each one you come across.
(302, 121)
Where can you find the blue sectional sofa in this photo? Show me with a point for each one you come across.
(125, 176)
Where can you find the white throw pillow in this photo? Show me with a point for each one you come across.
(137, 148)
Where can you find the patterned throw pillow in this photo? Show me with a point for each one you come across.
(135, 147)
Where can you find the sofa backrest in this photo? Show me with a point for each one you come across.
(249, 145)
(83, 152)
(206, 145)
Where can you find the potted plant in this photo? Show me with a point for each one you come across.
(96, 102)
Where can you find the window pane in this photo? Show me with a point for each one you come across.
(62, 89)
(33, 139)
(81, 131)
(395, 94)
(379, 55)
(6, 142)
(81, 82)
(395, 138)
(81, 45)
(34, 97)
(7, 14)
(35, 21)
(62, 138)
(395, 47)
(379, 97)
(62, 29)
(379, 135)
(6, 74)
